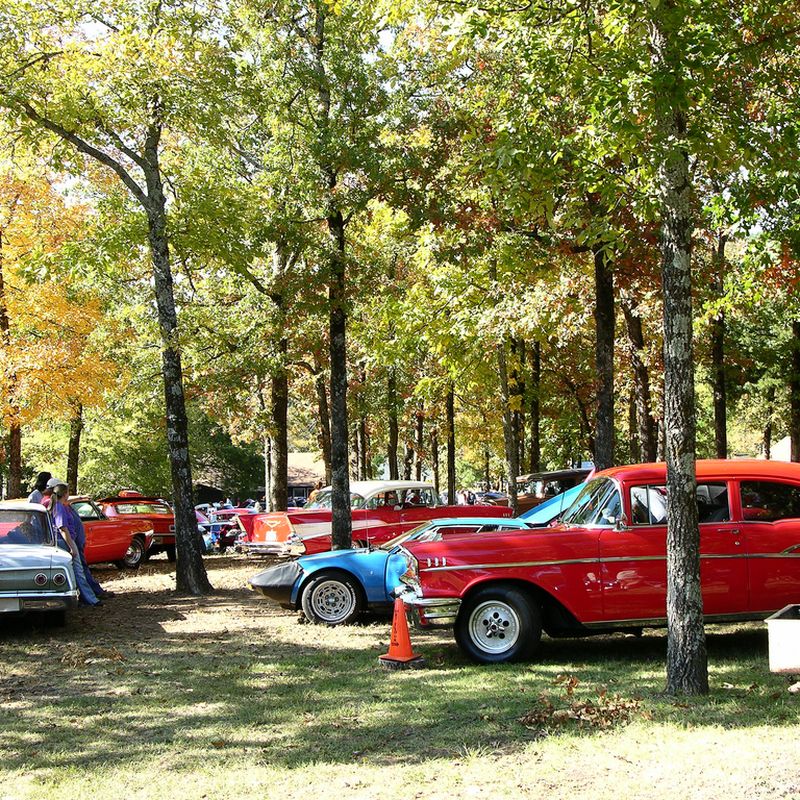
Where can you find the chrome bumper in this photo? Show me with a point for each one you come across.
(39, 602)
(438, 612)
(279, 549)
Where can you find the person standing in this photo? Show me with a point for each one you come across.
(37, 495)
(80, 540)
(66, 529)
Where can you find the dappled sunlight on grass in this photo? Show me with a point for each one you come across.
(159, 687)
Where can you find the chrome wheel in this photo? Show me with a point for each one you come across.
(494, 626)
(332, 601)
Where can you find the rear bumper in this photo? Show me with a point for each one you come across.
(38, 602)
(437, 612)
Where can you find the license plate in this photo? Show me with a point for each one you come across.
(9, 604)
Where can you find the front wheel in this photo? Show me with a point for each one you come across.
(331, 599)
(498, 624)
(133, 557)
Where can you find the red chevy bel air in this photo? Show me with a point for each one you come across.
(381, 510)
(604, 567)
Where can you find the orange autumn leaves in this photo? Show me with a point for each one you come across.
(50, 358)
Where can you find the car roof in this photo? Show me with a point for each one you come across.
(754, 468)
(561, 473)
(20, 505)
(514, 522)
(368, 488)
(136, 498)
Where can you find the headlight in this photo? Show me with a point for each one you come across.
(411, 575)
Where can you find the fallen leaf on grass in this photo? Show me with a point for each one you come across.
(603, 713)
(219, 744)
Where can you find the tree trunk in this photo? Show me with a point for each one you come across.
(12, 409)
(324, 422)
(268, 474)
(279, 409)
(718, 358)
(74, 449)
(509, 429)
(768, 426)
(633, 426)
(342, 531)
(687, 668)
(794, 392)
(450, 424)
(394, 435)
(435, 460)
(534, 409)
(190, 571)
(420, 444)
(604, 357)
(408, 462)
(646, 430)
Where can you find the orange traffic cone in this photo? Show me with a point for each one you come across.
(400, 655)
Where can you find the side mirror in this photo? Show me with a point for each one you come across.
(621, 523)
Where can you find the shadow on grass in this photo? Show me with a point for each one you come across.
(270, 692)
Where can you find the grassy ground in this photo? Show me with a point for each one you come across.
(156, 696)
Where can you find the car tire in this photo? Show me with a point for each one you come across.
(332, 598)
(133, 557)
(498, 624)
(170, 551)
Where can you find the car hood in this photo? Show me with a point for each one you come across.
(27, 555)
(331, 556)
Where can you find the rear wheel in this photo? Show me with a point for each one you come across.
(170, 551)
(332, 599)
(134, 556)
(498, 624)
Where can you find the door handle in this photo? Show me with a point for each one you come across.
(732, 531)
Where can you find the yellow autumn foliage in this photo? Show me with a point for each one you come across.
(49, 358)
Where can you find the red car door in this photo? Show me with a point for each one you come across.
(770, 513)
(418, 507)
(106, 540)
(634, 564)
(380, 520)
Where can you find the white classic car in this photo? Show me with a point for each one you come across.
(35, 575)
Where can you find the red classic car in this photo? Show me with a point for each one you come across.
(381, 511)
(123, 542)
(604, 567)
(155, 511)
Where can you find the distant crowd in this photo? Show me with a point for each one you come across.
(53, 494)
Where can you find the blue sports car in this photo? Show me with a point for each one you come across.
(333, 588)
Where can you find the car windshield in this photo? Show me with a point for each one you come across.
(597, 504)
(404, 537)
(324, 497)
(24, 527)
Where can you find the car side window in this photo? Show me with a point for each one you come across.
(769, 501)
(649, 504)
(86, 510)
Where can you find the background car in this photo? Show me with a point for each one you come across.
(537, 487)
(381, 510)
(35, 575)
(333, 588)
(156, 511)
(123, 542)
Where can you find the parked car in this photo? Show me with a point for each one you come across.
(156, 511)
(123, 542)
(333, 588)
(603, 568)
(225, 525)
(537, 487)
(35, 575)
(381, 510)
(553, 509)
(492, 498)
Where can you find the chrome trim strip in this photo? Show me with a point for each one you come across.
(791, 549)
(660, 621)
(601, 561)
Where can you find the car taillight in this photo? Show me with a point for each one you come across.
(59, 579)
(40, 579)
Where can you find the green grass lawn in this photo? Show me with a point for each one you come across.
(156, 696)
